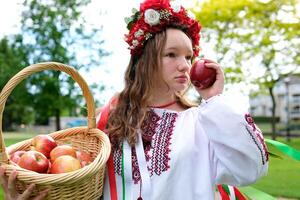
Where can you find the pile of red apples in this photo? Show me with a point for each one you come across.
(46, 156)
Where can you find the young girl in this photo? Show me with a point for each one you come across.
(165, 147)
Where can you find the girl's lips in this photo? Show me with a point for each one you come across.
(182, 79)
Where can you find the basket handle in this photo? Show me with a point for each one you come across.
(24, 73)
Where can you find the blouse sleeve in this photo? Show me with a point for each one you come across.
(238, 152)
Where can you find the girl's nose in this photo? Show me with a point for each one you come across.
(184, 64)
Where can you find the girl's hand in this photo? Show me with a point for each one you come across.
(218, 86)
(9, 188)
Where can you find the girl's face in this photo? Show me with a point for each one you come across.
(176, 61)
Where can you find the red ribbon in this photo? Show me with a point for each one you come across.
(238, 194)
(223, 193)
(110, 163)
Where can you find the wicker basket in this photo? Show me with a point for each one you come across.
(85, 183)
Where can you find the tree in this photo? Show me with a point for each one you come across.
(13, 59)
(54, 30)
(260, 36)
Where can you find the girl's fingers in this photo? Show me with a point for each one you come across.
(9, 186)
(218, 69)
(42, 195)
(207, 60)
(12, 184)
(213, 65)
(26, 194)
(3, 178)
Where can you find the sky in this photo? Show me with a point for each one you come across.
(114, 27)
(112, 69)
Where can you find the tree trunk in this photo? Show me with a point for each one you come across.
(57, 119)
(273, 122)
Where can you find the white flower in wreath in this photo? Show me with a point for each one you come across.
(152, 17)
(139, 33)
(135, 43)
(175, 6)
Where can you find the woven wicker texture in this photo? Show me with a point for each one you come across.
(85, 183)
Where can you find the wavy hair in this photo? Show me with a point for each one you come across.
(127, 116)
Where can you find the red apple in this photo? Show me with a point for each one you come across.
(43, 144)
(49, 168)
(84, 157)
(65, 164)
(15, 157)
(34, 161)
(202, 77)
(62, 150)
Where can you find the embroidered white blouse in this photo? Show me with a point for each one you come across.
(183, 155)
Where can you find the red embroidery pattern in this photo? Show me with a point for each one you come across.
(136, 176)
(256, 136)
(156, 135)
(117, 157)
(148, 128)
(161, 144)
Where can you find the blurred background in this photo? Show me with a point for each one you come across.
(257, 42)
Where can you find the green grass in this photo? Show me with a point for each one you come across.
(283, 179)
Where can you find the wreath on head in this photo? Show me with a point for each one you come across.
(155, 16)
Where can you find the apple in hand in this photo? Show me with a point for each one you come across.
(15, 157)
(65, 164)
(34, 161)
(43, 144)
(202, 77)
(84, 157)
(62, 150)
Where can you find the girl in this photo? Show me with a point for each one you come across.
(165, 147)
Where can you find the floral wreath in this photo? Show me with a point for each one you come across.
(155, 16)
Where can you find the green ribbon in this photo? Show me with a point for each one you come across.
(253, 193)
(226, 188)
(286, 149)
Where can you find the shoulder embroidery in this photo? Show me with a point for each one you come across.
(257, 137)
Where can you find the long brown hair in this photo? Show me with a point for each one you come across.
(140, 76)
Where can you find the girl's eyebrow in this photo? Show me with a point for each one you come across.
(177, 48)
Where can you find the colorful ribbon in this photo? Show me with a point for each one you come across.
(253, 193)
(284, 148)
(225, 193)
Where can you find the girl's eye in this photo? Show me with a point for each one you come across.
(189, 58)
(171, 55)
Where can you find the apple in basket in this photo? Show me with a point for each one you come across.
(43, 144)
(65, 164)
(34, 161)
(15, 157)
(62, 150)
(202, 77)
(84, 157)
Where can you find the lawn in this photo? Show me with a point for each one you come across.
(283, 179)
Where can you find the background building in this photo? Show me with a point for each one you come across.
(287, 96)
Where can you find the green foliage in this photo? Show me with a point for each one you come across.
(12, 60)
(52, 30)
(253, 32)
(246, 29)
